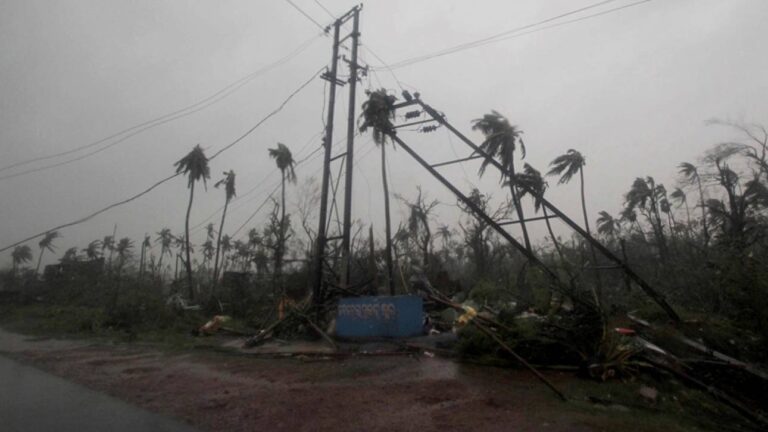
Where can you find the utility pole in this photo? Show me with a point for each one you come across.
(330, 76)
(351, 126)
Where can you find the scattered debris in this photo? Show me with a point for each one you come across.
(178, 302)
(214, 325)
(649, 393)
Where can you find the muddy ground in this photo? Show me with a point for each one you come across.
(219, 391)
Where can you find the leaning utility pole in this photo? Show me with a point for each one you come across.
(331, 76)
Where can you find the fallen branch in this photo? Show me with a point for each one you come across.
(318, 330)
(522, 361)
(755, 417)
(436, 297)
(264, 334)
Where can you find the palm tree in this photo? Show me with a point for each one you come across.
(607, 225)
(418, 224)
(70, 255)
(226, 247)
(501, 140)
(566, 166)
(165, 238)
(531, 180)
(124, 251)
(630, 215)
(378, 113)
(20, 255)
(679, 196)
(444, 233)
(208, 252)
(690, 174)
(285, 163)
(646, 195)
(229, 192)
(92, 251)
(46, 243)
(145, 245)
(108, 244)
(195, 166)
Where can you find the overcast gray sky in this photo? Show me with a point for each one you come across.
(631, 90)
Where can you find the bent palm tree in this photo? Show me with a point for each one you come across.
(20, 255)
(378, 113)
(70, 256)
(501, 141)
(607, 225)
(195, 166)
(92, 251)
(124, 251)
(531, 180)
(46, 243)
(690, 174)
(678, 195)
(566, 166)
(229, 192)
(285, 163)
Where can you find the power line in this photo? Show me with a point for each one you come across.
(320, 26)
(94, 214)
(149, 124)
(509, 34)
(277, 110)
(263, 203)
(255, 212)
(195, 227)
(325, 9)
(119, 203)
(389, 69)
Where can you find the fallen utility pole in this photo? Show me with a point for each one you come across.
(479, 213)
(656, 296)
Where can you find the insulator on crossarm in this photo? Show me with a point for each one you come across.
(412, 114)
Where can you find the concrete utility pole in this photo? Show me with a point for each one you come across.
(351, 126)
(331, 76)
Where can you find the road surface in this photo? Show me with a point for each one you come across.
(32, 400)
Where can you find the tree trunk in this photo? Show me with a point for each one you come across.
(552, 235)
(598, 293)
(141, 261)
(186, 241)
(703, 213)
(218, 248)
(39, 260)
(518, 207)
(280, 241)
(388, 223)
(160, 264)
(526, 294)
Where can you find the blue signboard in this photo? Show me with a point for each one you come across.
(396, 316)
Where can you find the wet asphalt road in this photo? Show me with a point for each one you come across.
(32, 400)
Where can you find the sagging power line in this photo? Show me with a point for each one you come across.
(513, 33)
(155, 185)
(155, 122)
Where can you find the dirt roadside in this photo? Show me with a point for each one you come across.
(219, 391)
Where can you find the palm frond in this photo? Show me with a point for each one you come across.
(194, 165)
(566, 166)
